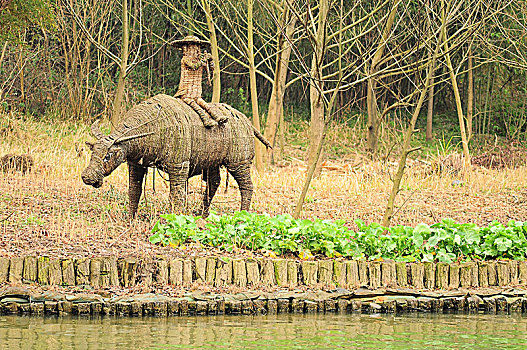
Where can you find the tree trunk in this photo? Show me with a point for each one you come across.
(21, 76)
(49, 89)
(282, 126)
(464, 141)
(2, 55)
(430, 111)
(276, 101)
(317, 120)
(119, 94)
(407, 139)
(488, 92)
(216, 79)
(68, 72)
(190, 13)
(373, 116)
(371, 100)
(315, 91)
(310, 172)
(252, 81)
(470, 96)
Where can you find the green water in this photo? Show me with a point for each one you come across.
(412, 331)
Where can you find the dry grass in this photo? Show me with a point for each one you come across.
(51, 211)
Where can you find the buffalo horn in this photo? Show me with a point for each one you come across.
(126, 138)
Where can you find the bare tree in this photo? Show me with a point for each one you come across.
(430, 109)
(340, 48)
(275, 112)
(469, 20)
(316, 86)
(470, 94)
(373, 114)
(123, 60)
(459, 108)
(405, 151)
(216, 80)
(2, 56)
(258, 150)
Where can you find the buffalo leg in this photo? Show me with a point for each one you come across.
(241, 172)
(205, 118)
(212, 176)
(135, 187)
(177, 177)
(214, 111)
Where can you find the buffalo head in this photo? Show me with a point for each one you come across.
(108, 152)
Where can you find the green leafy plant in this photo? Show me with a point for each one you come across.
(177, 229)
(446, 241)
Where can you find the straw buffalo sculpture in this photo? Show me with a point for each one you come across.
(166, 133)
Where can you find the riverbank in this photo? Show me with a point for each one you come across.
(68, 248)
(215, 285)
(23, 301)
(147, 273)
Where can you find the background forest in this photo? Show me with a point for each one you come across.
(78, 59)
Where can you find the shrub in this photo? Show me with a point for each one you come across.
(446, 241)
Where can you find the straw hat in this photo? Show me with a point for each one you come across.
(189, 40)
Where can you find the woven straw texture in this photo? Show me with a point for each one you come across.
(166, 133)
(191, 73)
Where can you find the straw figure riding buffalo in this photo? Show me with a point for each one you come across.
(182, 136)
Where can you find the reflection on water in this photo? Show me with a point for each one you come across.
(411, 331)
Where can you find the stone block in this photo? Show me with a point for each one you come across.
(176, 272)
(30, 269)
(417, 275)
(309, 272)
(325, 272)
(68, 272)
(15, 270)
(55, 272)
(352, 274)
(280, 271)
(292, 273)
(429, 275)
(253, 272)
(82, 273)
(388, 273)
(239, 271)
(442, 275)
(374, 271)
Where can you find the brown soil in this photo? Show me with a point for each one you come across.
(42, 216)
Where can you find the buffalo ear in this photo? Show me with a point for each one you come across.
(96, 131)
(90, 145)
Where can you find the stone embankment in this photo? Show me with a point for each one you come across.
(216, 285)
